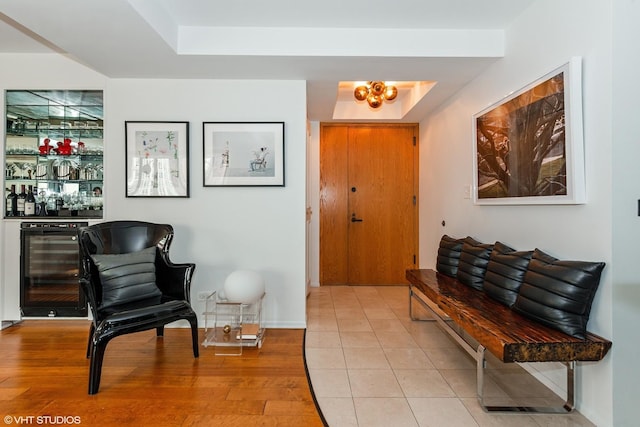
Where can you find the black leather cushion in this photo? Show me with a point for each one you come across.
(473, 262)
(505, 272)
(127, 277)
(448, 255)
(559, 293)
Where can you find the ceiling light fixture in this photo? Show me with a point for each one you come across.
(375, 93)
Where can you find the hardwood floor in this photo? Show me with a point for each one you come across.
(150, 381)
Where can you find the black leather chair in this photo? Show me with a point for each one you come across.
(131, 285)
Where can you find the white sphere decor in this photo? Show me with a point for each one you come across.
(243, 286)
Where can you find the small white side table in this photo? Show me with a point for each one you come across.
(230, 326)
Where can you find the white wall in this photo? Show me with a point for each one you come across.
(547, 35)
(626, 223)
(221, 229)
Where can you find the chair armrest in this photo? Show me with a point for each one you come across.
(174, 279)
(89, 292)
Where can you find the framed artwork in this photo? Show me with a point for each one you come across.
(528, 147)
(157, 156)
(243, 154)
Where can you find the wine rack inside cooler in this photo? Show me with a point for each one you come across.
(50, 270)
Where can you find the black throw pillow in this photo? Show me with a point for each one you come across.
(473, 262)
(448, 255)
(127, 277)
(505, 272)
(559, 293)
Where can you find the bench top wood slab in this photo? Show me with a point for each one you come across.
(508, 335)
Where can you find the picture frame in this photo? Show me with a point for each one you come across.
(528, 147)
(243, 154)
(157, 159)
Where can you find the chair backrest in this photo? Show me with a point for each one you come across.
(122, 237)
(117, 237)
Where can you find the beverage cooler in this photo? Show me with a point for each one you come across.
(50, 270)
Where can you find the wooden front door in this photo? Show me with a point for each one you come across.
(368, 211)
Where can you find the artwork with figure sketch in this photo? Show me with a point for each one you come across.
(239, 155)
(156, 162)
(252, 154)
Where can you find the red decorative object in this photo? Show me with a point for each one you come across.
(45, 148)
(64, 148)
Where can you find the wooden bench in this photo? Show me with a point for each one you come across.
(506, 334)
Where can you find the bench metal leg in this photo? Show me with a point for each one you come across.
(478, 355)
(453, 330)
(436, 316)
(568, 406)
(411, 297)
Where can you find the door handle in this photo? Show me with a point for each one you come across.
(354, 219)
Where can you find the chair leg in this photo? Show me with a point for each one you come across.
(95, 369)
(92, 328)
(160, 331)
(194, 337)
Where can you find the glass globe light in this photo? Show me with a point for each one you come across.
(244, 286)
(390, 93)
(377, 88)
(375, 101)
(361, 93)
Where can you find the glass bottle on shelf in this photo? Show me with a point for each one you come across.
(20, 202)
(41, 207)
(12, 202)
(30, 203)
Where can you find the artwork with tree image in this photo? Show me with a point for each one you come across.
(523, 146)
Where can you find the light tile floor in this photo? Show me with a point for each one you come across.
(371, 365)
